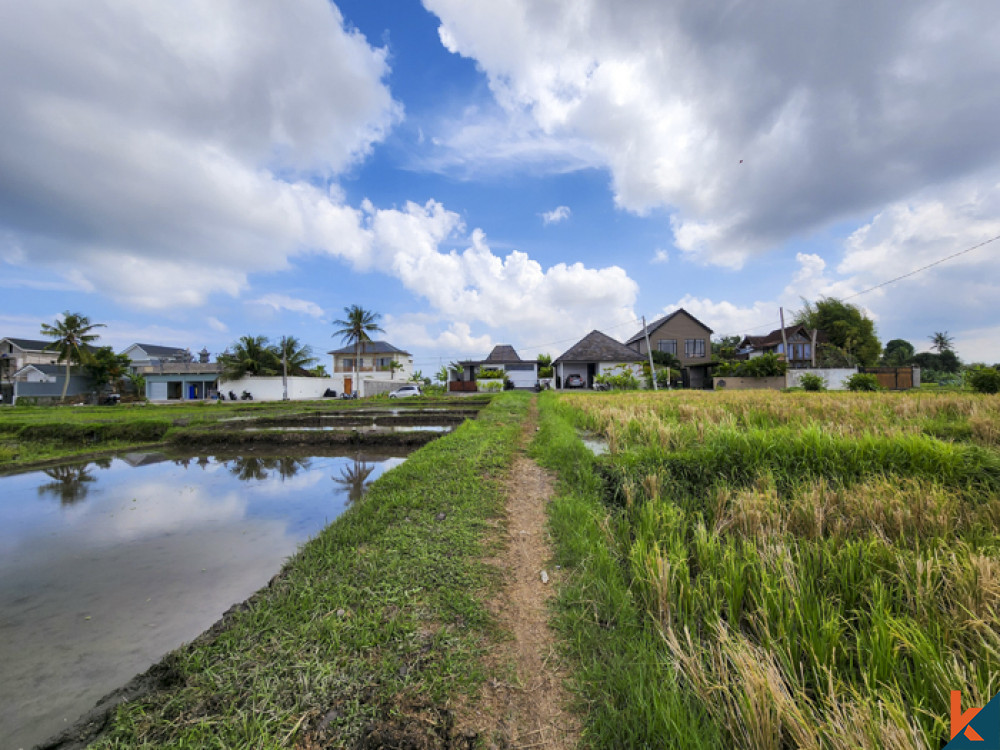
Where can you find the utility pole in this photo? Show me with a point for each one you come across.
(649, 352)
(784, 340)
(284, 369)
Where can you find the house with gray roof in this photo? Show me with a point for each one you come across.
(683, 336)
(521, 373)
(374, 363)
(150, 355)
(43, 383)
(595, 354)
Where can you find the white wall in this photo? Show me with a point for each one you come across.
(615, 368)
(270, 389)
(835, 377)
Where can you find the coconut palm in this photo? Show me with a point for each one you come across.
(251, 355)
(942, 342)
(297, 355)
(355, 329)
(72, 335)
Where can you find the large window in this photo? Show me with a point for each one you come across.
(694, 347)
(667, 345)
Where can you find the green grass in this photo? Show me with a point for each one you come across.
(800, 574)
(379, 617)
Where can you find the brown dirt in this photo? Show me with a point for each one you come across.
(527, 709)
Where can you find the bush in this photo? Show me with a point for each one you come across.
(812, 382)
(860, 381)
(764, 366)
(984, 380)
(490, 375)
(545, 371)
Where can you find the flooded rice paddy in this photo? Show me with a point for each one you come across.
(108, 565)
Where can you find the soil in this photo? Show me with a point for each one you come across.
(529, 708)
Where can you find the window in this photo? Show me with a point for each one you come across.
(383, 362)
(694, 347)
(667, 345)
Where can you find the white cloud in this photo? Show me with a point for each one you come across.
(160, 153)
(660, 256)
(216, 325)
(556, 215)
(279, 302)
(755, 124)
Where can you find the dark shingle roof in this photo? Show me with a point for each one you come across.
(598, 347)
(774, 337)
(503, 353)
(160, 351)
(371, 347)
(29, 345)
(52, 369)
(657, 323)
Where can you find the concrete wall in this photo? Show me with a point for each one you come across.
(270, 389)
(835, 377)
(748, 384)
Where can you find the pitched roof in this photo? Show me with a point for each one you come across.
(774, 337)
(160, 351)
(28, 345)
(503, 353)
(371, 347)
(598, 347)
(54, 370)
(659, 322)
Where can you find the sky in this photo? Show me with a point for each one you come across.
(510, 171)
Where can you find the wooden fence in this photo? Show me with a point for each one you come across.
(893, 378)
(461, 385)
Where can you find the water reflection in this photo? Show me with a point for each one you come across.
(259, 468)
(354, 478)
(140, 555)
(70, 483)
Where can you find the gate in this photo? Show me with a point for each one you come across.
(891, 378)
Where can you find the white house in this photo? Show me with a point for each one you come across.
(374, 365)
(596, 354)
(521, 373)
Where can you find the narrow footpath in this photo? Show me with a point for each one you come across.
(527, 709)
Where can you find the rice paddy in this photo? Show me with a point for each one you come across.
(790, 569)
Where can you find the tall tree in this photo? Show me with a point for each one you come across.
(898, 352)
(942, 342)
(851, 333)
(251, 355)
(299, 356)
(72, 335)
(107, 368)
(355, 329)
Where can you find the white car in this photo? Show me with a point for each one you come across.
(405, 391)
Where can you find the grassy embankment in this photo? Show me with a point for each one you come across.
(375, 628)
(32, 434)
(768, 570)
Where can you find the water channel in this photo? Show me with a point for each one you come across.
(106, 566)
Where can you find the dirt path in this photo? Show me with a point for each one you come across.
(528, 709)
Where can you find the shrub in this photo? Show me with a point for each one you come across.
(861, 381)
(812, 382)
(764, 366)
(545, 371)
(490, 375)
(984, 380)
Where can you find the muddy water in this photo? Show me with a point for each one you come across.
(104, 567)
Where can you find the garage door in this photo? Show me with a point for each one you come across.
(522, 376)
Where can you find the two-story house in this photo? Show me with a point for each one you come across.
(374, 362)
(684, 336)
(802, 345)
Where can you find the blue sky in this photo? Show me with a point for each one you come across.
(505, 172)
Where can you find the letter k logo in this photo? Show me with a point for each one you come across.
(960, 721)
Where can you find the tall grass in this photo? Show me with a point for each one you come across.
(820, 570)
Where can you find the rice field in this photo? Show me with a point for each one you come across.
(817, 570)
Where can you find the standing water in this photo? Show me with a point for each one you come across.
(106, 566)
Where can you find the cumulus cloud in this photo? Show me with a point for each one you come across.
(556, 215)
(660, 256)
(753, 124)
(161, 153)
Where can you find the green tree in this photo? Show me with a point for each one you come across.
(725, 347)
(442, 374)
(355, 329)
(394, 366)
(251, 355)
(72, 336)
(107, 368)
(298, 356)
(850, 333)
(942, 342)
(898, 353)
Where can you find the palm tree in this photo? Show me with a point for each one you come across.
(355, 330)
(72, 334)
(251, 355)
(298, 356)
(942, 342)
